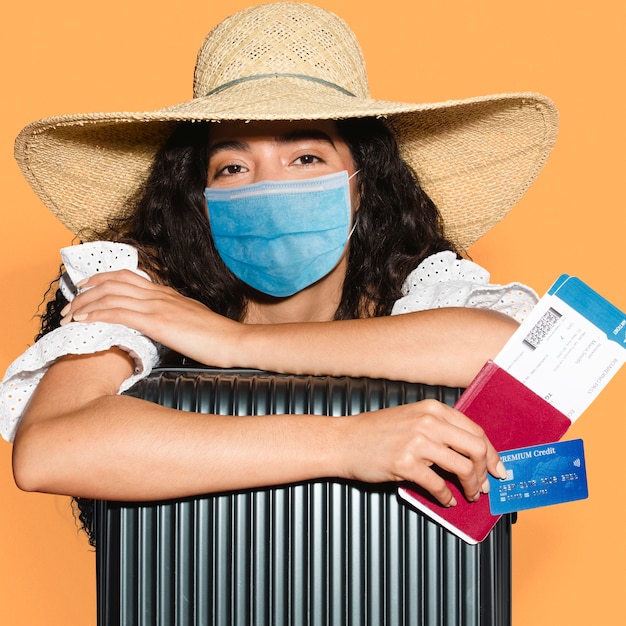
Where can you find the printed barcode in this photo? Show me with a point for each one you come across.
(542, 328)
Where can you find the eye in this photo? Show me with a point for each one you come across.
(307, 159)
(230, 170)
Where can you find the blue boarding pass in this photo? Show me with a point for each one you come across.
(569, 347)
(539, 476)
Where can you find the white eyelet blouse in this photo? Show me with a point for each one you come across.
(441, 280)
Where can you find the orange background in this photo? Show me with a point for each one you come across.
(68, 56)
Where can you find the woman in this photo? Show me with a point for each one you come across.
(299, 114)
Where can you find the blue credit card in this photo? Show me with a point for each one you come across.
(539, 476)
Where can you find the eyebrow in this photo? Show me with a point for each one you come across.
(291, 137)
(303, 134)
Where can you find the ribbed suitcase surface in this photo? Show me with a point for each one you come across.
(317, 553)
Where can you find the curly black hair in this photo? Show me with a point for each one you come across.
(398, 226)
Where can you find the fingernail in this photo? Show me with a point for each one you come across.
(485, 487)
(501, 469)
(82, 282)
(65, 309)
(452, 502)
(65, 320)
(79, 317)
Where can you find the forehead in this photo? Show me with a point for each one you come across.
(272, 130)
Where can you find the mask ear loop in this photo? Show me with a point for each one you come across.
(356, 219)
(356, 213)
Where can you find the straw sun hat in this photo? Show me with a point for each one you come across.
(293, 61)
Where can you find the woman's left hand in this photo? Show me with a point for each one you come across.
(159, 312)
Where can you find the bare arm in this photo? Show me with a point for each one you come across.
(79, 438)
(440, 346)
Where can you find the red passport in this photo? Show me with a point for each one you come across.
(512, 416)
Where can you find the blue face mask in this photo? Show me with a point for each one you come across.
(281, 236)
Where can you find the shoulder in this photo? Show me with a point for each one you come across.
(445, 280)
(445, 267)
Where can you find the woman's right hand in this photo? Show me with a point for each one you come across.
(404, 443)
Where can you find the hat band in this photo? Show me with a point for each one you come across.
(313, 79)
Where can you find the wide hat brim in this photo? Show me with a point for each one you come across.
(474, 157)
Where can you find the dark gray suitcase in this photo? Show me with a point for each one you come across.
(318, 553)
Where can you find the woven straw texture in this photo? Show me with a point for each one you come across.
(294, 61)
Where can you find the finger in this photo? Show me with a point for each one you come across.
(462, 467)
(112, 302)
(82, 309)
(131, 311)
(434, 484)
(493, 463)
(452, 429)
(126, 276)
(114, 280)
(97, 294)
(457, 445)
(123, 283)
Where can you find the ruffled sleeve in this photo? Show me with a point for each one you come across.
(443, 280)
(23, 375)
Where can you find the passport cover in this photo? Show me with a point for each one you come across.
(512, 416)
